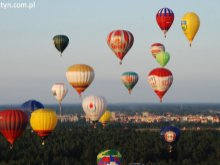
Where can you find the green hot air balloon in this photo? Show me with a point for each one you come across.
(60, 42)
(163, 58)
(129, 79)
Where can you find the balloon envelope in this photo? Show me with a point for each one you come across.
(163, 58)
(170, 134)
(165, 18)
(105, 118)
(12, 124)
(43, 121)
(129, 80)
(61, 42)
(94, 107)
(160, 79)
(109, 157)
(80, 76)
(157, 48)
(190, 25)
(31, 105)
(59, 91)
(120, 42)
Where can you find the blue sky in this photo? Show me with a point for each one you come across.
(30, 64)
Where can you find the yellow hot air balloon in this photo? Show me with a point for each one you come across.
(80, 76)
(43, 122)
(190, 25)
(105, 119)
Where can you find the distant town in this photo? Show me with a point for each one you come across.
(146, 117)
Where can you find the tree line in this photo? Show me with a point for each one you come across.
(79, 144)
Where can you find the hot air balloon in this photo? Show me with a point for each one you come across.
(94, 107)
(129, 79)
(165, 17)
(190, 25)
(160, 79)
(157, 48)
(170, 135)
(60, 42)
(109, 157)
(12, 124)
(105, 118)
(59, 90)
(31, 105)
(120, 41)
(43, 122)
(80, 76)
(163, 58)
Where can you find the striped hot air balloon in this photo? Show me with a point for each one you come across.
(12, 124)
(157, 48)
(43, 122)
(109, 157)
(120, 41)
(129, 79)
(80, 76)
(60, 42)
(94, 107)
(160, 79)
(59, 90)
(165, 18)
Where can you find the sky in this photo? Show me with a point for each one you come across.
(30, 64)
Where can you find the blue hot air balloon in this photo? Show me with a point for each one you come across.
(170, 135)
(31, 105)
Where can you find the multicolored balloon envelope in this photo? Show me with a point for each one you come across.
(80, 76)
(157, 48)
(60, 42)
(160, 79)
(165, 18)
(109, 157)
(94, 107)
(170, 134)
(129, 80)
(190, 25)
(163, 58)
(12, 124)
(120, 41)
(105, 118)
(43, 122)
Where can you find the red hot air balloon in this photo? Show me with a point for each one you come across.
(160, 79)
(165, 17)
(120, 41)
(157, 48)
(12, 124)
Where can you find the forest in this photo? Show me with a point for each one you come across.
(79, 144)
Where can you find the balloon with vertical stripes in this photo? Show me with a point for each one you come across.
(80, 76)
(12, 124)
(165, 18)
(129, 80)
(60, 42)
(120, 42)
